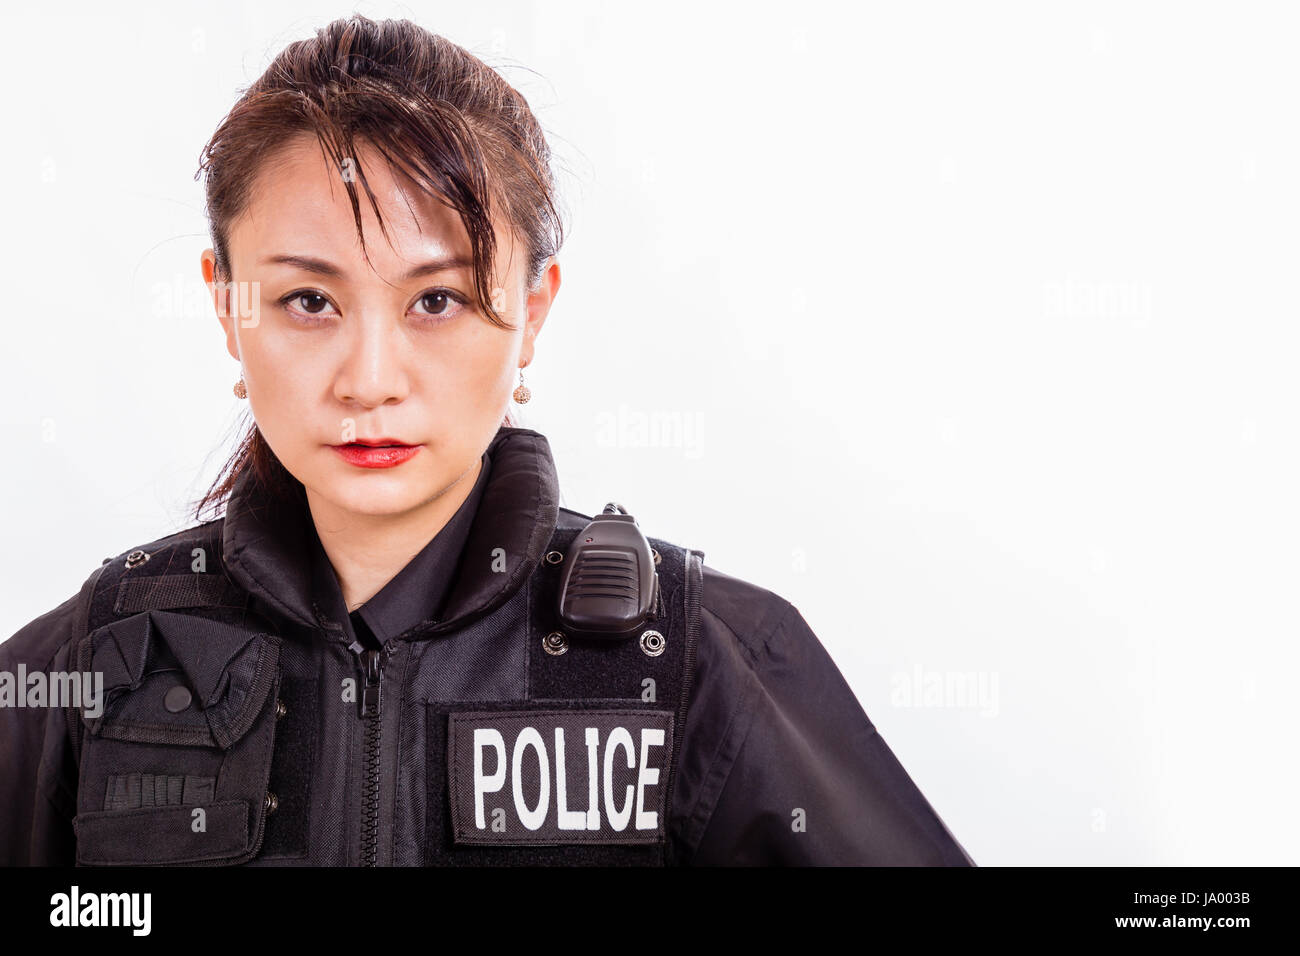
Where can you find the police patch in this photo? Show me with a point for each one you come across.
(559, 776)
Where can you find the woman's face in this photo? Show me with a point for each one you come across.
(337, 352)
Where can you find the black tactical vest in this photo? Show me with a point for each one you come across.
(203, 747)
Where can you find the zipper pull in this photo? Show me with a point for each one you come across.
(370, 697)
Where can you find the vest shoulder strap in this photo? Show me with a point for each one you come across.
(182, 570)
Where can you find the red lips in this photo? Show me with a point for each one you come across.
(376, 452)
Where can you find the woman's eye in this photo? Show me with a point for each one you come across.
(307, 305)
(318, 302)
(440, 304)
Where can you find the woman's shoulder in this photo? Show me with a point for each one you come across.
(206, 534)
(44, 636)
(754, 620)
(748, 608)
(733, 610)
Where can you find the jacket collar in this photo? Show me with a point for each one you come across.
(265, 548)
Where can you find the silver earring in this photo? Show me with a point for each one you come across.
(522, 394)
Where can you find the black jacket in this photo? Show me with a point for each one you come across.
(774, 763)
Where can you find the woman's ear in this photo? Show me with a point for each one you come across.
(538, 304)
(219, 291)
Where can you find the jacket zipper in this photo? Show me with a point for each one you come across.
(372, 669)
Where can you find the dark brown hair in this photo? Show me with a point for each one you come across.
(436, 113)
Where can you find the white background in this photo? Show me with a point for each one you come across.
(972, 326)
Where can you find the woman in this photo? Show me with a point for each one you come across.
(385, 650)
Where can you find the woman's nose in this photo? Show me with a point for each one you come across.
(373, 372)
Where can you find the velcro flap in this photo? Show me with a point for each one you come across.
(228, 672)
(159, 835)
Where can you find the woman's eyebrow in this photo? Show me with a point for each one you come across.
(324, 268)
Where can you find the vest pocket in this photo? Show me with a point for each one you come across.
(176, 750)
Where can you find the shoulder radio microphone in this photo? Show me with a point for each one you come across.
(610, 587)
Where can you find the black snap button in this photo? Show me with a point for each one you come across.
(177, 699)
(272, 801)
(280, 709)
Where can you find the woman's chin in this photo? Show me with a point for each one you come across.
(373, 494)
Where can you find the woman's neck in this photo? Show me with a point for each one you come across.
(368, 551)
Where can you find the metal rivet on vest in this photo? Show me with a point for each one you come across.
(280, 709)
(656, 554)
(136, 558)
(272, 801)
(555, 643)
(177, 699)
(652, 642)
(554, 557)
